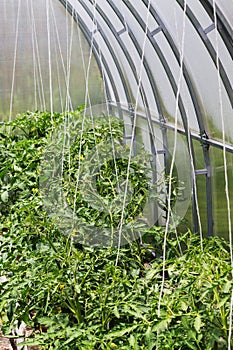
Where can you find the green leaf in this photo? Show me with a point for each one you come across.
(133, 341)
(5, 196)
(190, 345)
(121, 332)
(184, 306)
(162, 325)
(227, 286)
(17, 168)
(3, 172)
(222, 302)
(116, 312)
(198, 323)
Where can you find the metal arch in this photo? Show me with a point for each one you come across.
(171, 79)
(88, 35)
(177, 56)
(210, 49)
(146, 65)
(181, 106)
(69, 8)
(133, 68)
(113, 54)
(151, 79)
(203, 134)
(138, 48)
(128, 57)
(223, 27)
(124, 49)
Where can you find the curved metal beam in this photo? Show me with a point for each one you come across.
(196, 24)
(101, 62)
(225, 31)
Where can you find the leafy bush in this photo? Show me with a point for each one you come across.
(76, 297)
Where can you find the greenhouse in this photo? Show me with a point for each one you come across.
(117, 124)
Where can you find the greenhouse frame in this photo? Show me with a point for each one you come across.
(116, 176)
(166, 63)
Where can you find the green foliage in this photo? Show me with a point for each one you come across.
(75, 297)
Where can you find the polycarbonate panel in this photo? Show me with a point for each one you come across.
(197, 58)
(226, 7)
(140, 73)
(199, 13)
(180, 83)
(141, 9)
(222, 52)
(205, 77)
(221, 216)
(112, 65)
(83, 14)
(43, 59)
(172, 16)
(200, 187)
(169, 58)
(111, 15)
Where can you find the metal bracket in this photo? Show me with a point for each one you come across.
(204, 140)
(123, 30)
(155, 31)
(209, 29)
(131, 109)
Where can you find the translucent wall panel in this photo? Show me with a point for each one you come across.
(221, 193)
(199, 34)
(44, 59)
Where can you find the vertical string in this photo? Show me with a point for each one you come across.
(67, 53)
(225, 162)
(169, 209)
(194, 179)
(33, 53)
(86, 98)
(83, 62)
(109, 117)
(223, 132)
(69, 43)
(59, 78)
(62, 61)
(37, 62)
(49, 55)
(134, 129)
(58, 52)
(195, 194)
(94, 27)
(14, 60)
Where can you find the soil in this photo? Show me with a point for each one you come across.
(4, 343)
